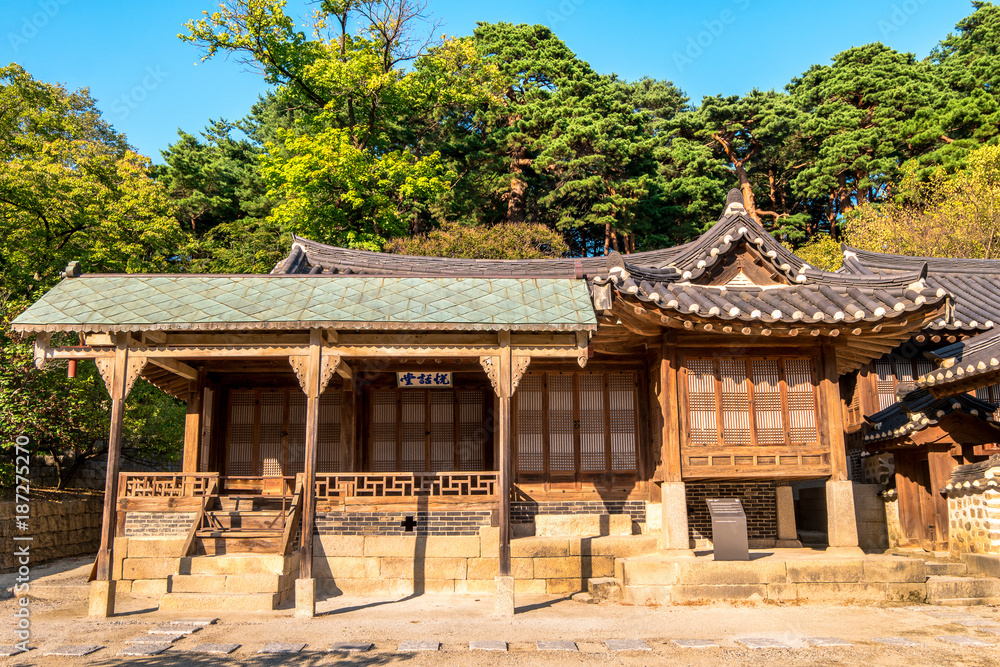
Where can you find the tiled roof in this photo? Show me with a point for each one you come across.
(974, 284)
(975, 360)
(204, 302)
(309, 257)
(918, 409)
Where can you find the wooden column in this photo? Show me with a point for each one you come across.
(118, 389)
(832, 413)
(192, 427)
(505, 468)
(312, 390)
(670, 437)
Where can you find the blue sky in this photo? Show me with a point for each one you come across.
(148, 83)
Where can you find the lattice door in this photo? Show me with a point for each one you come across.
(427, 430)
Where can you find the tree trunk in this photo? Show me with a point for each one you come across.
(607, 239)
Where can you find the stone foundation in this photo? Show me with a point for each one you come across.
(870, 511)
(60, 528)
(397, 566)
(455, 523)
(893, 529)
(974, 508)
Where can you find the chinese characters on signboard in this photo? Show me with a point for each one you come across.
(425, 380)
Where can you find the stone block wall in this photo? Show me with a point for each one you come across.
(454, 523)
(871, 517)
(974, 520)
(398, 565)
(158, 524)
(92, 473)
(894, 530)
(70, 526)
(758, 500)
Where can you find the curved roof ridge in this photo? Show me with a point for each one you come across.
(870, 259)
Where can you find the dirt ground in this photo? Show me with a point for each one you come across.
(59, 617)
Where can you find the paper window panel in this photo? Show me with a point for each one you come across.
(413, 429)
(562, 445)
(471, 434)
(442, 430)
(530, 424)
(592, 413)
(801, 401)
(383, 430)
(735, 402)
(885, 383)
(272, 425)
(330, 452)
(242, 412)
(767, 402)
(621, 392)
(297, 410)
(703, 409)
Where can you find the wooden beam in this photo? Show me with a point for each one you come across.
(504, 391)
(177, 367)
(345, 371)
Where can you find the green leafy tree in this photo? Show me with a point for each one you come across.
(509, 240)
(340, 175)
(71, 189)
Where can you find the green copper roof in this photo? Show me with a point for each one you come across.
(206, 302)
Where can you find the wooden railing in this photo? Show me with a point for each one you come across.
(335, 486)
(166, 484)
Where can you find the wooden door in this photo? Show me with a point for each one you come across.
(923, 511)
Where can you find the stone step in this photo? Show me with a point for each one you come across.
(222, 601)
(559, 525)
(949, 590)
(583, 597)
(604, 589)
(240, 564)
(946, 569)
(229, 583)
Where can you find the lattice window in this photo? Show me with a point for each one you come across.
(990, 394)
(702, 401)
(757, 401)
(575, 425)
(427, 430)
(242, 419)
(531, 429)
(330, 453)
(892, 370)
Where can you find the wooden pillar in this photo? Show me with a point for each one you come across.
(118, 395)
(670, 437)
(505, 468)
(832, 413)
(312, 390)
(192, 427)
(118, 374)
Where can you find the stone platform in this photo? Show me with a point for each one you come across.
(776, 575)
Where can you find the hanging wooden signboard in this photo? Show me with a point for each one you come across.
(406, 379)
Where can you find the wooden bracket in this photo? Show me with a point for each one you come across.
(41, 349)
(134, 366)
(519, 365)
(491, 365)
(329, 364)
(582, 344)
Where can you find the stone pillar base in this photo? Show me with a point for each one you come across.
(102, 599)
(788, 536)
(305, 598)
(842, 524)
(504, 603)
(674, 517)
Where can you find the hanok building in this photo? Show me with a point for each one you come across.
(921, 422)
(353, 401)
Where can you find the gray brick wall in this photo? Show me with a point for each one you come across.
(458, 522)
(757, 498)
(525, 512)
